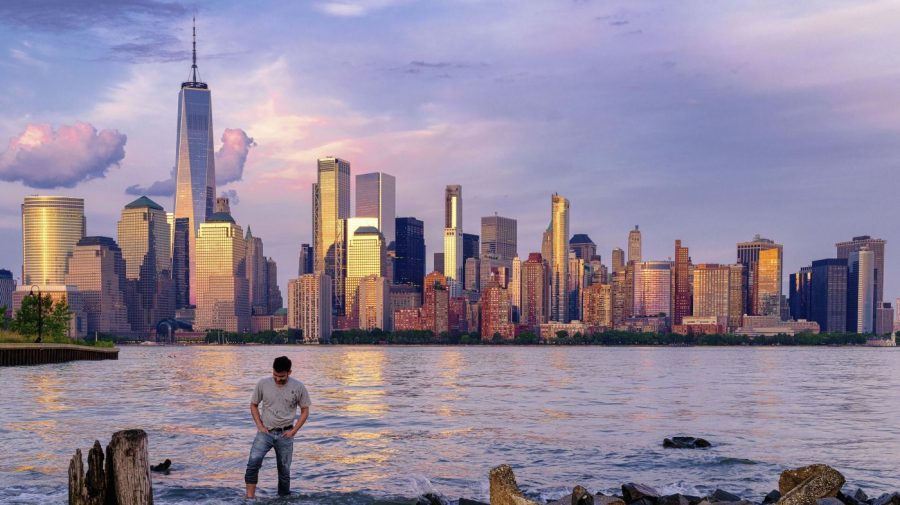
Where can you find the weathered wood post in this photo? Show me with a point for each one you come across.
(125, 480)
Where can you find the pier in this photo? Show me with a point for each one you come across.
(42, 354)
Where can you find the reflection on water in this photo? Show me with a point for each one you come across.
(404, 420)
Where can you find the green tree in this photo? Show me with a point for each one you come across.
(40, 314)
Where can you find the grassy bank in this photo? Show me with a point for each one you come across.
(8, 337)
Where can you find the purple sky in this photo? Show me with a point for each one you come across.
(701, 121)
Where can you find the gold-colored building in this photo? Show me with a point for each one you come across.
(598, 305)
(331, 207)
(309, 306)
(51, 226)
(374, 303)
(222, 289)
(365, 257)
(769, 282)
(559, 261)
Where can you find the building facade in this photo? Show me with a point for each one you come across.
(535, 291)
(365, 257)
(652, 288)
(376, 196)
(331, 209)
(309, 306)
(828, 294)
(96, 269)
(861, 291)
(598, 307)
(453, 241)
(223, 293)
(374, 303)
(681, 276)
(51, 227)
(876, 245)
(634, 245)
(409, 252)
(559, 261)
(499, 235)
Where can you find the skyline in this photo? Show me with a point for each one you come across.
(654, 139)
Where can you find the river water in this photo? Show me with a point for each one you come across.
(401, 421)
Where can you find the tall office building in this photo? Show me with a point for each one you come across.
(736, 303)
(439, 262)
(436, 303)
(453, 242)
(876, 245)
(620, 296)
(51, 227)
(583, 247)
(223, 293)
(559, 261)
(618, 260)
(195, 177)
(365, 257)
(828, 294)
(499, 235)
(306, 260)
(515, 288)
(409, 251)
(762, 283)
(861, 291)
(170, 220)
(799, 284)
(471, 249)
(597, 309)
(578, 279)
(257, 277)
(309, 306)
(652, 288)
(712, 290)
(181, 262)
(376, 196)
(143, 233)
(97, 270)
(634, 245)
(332, 208)
(374, 303)
(535, 291)
(7, 286)
(473, 275)
(274, 300)
(681, 275)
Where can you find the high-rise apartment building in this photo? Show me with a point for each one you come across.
(453, 242)
(409, 252)
(828, 294)
(436, 303)
(619, 296)
(713, 295)
(762, 283)
(365, 257)
(499, 235)
(331, 204)
(559, 261)
(51, 227)
(181, 267)
(634, 245)
(535, 291)
(861, 291)
(257, 276)
(798, 293)
(376, 196)
(439, 262)
(681, 275)
(515, 288)
(274, 299)
(876, 245)
(618, 260)
(598, 305)
(374, 303)
(471, 249)
(143, 233)
(496, 313)
(97, 270)
(578, 278)
(473, 275)
(652, 288)
(583, 247)
(7, 286)
(309, 306)
(195, 177)
(223, 293)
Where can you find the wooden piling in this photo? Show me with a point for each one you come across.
(125, 479)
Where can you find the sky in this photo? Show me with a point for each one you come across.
(707, 122)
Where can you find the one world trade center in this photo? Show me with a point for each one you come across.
(195, 182)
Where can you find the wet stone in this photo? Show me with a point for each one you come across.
(723, 496)
(772, 497)
(686, 443)
(633, 492)
(887, 499)
(608, 500)
(466, 501)
(829, 501)
(674, 499)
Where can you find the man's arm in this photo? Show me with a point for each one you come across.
(304, 413)
(254, 411)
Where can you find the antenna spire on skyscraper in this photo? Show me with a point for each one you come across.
(194, 65)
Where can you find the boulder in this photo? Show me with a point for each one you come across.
(887, 499)
(686, 443)
(772, 497)
(848, 500)
(608, 500)
(633, 492)
(723, 496)
(430, 499)
(803, 486)
(466, 501)
(860, 495)
(504, 490)
(829, 501)
(581, 496)
(674, 499)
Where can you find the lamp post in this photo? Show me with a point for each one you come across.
(40, 313)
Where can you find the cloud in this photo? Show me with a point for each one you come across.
(231, 195)
(231, 157)
(43, 158)
(230, 160)
(56, 15)
(354, 8)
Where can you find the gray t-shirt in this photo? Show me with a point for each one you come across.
(278, 404)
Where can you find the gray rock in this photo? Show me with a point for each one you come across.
(608, 500)
(565, 500)
(633, 492)
(723, 496)
(581, 496)
(803, 486)
(643, 501)
(829, 501)
(686, 443)
(849, 500)
(860, 495)
(887, 499)
(772, 497)
(674, 499)
(504, 490)
(431, 499)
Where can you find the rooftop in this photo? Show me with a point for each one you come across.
(143, 202)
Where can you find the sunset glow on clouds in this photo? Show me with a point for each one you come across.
(705, 122)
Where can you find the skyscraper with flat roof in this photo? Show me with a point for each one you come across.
(409, 250)
(51, 227)
(499, 235)
(559, 262)
(828, 294)
(331, 203)
(376, 196)
(223, 293)
(618, 260)
(681, 275)
(195, 176)
(762, 279)
(365, 257)
(97, 270)
(306, 260)
(861, 291)
(309, 306)
(634, 244)
(652, 288)
(535, 291)
(876, 245)
(7, 286)
(453, 241)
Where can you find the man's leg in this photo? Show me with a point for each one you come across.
(284, 452)
(261, 445)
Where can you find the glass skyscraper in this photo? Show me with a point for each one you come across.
(559, 259)
(453, 243)
(195, 180)
(410, 251)
(51, 227)
(376, 196)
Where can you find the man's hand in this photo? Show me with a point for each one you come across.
(254, 411)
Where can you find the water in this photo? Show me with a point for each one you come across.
(400, 421)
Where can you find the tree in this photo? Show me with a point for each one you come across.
(50, 319)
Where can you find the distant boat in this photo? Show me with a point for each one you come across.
(148, 342)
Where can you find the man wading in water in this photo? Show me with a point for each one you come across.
(273, 406)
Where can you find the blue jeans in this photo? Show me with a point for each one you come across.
(284, 451)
